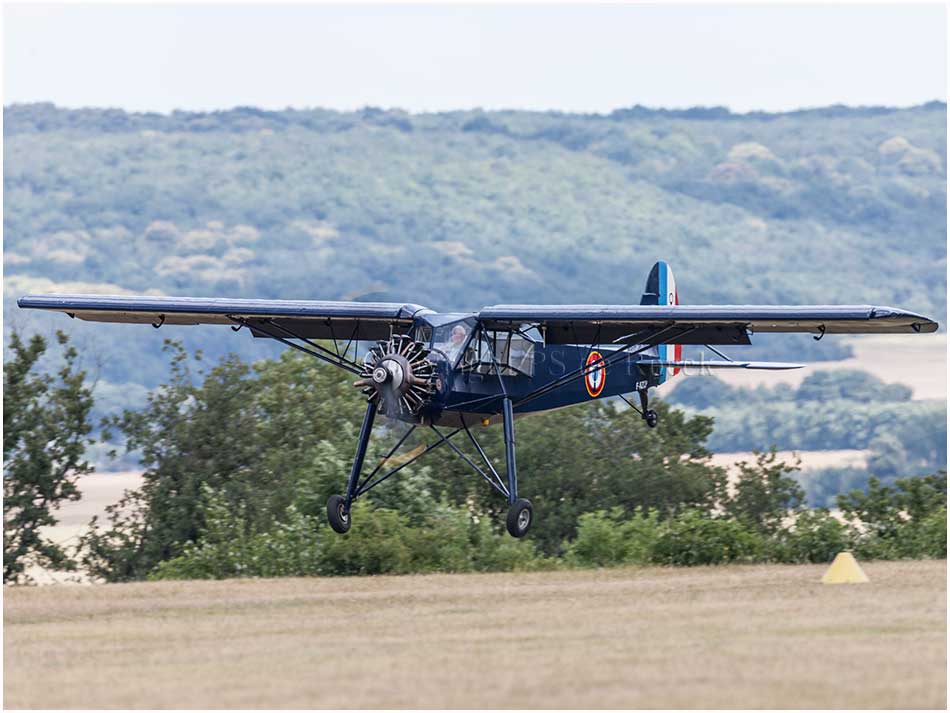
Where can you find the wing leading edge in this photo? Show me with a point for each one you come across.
(704, 324)
(310, 319)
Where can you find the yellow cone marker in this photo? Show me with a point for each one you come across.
(844, 570)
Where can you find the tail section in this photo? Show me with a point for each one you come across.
(661, 290)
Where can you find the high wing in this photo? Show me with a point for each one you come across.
(304, 319)
(699, 324)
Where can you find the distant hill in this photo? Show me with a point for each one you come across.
(463, 209)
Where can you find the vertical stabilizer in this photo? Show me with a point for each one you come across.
(661, 290)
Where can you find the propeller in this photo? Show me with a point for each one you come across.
(398, 375)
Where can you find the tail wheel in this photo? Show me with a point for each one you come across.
(651, 417)
(520, 516)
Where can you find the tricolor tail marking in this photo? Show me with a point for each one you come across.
(667, 294)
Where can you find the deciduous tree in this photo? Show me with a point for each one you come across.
(45, 433)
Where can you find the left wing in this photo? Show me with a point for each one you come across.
(700, 324)
(307, 319)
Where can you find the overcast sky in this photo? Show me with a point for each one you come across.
(423, 58)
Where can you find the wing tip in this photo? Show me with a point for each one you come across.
(917, 323)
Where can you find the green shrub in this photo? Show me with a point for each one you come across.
(694, 538)
(763, 493)
(919, 538)
(905, 521)
(497, 552)
(289, 549)
(816, 537)
(932, 534)
(382, 541)
(377, 544)
(448, 541)
(443, 543)
(606, 538)
(227, 549)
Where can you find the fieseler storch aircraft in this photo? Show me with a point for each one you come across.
(451, 373)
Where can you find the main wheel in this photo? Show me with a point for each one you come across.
(520, 515)
(651, 418)
(337, 514)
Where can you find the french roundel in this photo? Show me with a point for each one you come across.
(595, 379)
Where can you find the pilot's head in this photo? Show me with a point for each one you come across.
(458, 334)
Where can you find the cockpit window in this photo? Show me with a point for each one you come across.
(422, 333)
(513, 351)
(451, 338)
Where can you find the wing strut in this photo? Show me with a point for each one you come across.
(315, 350)
(719, 353)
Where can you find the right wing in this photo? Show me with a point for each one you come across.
(700, 324)
(307, 319)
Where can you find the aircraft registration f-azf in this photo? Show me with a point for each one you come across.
(449, 372)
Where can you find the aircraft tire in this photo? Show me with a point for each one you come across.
(520, 516)
(652, 418)
(337, 514)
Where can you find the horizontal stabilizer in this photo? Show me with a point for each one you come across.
(700, 364)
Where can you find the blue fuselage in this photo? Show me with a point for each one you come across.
(475, 392)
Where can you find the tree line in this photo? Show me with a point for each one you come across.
(239, 459)
(829, 410)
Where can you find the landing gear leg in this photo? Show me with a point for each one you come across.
(338, 508)
(649, 415)
(520, 512)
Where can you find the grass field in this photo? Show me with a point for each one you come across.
(729, 637)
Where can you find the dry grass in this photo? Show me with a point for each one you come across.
(731, 637)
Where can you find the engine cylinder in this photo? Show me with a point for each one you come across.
(399, 376)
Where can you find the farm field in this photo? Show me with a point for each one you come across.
(729, 637)
(99, 490)
(810, 460)
(919, 362)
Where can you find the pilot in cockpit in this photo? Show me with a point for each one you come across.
(457, 338)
